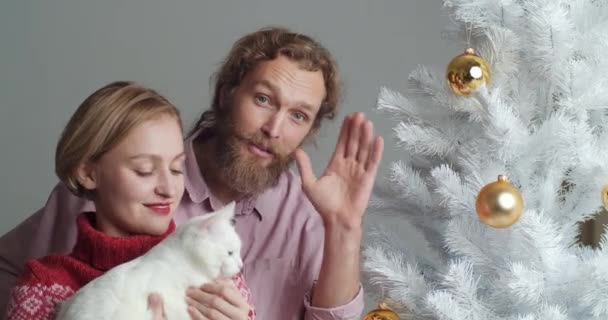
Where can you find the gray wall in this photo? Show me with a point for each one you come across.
(55, 53)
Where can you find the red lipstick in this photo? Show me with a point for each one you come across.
(160, 207)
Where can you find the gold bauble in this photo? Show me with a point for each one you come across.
(382, 312)
(605, 197)
(467, 72)
(499, 204)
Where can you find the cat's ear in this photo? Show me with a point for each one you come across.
(220, 217)
(227, 212)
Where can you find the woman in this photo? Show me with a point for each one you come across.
(122, 149)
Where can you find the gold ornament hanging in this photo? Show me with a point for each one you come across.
(467, 72)
(605, 197)
(382, 312)
(499, 204)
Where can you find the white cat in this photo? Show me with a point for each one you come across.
(197, 252)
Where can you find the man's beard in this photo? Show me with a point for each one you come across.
(243, 173)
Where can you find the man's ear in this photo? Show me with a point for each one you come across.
(85, 173)
(225, 96)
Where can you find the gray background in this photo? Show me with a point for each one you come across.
(55, 53)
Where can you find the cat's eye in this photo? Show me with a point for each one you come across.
(233, 222)
(230, 253)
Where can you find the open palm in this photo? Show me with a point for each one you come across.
(341, 194)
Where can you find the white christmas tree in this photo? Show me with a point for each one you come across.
(541, 121)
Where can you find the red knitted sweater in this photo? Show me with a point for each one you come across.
(50, 280)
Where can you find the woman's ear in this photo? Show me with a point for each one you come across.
(85, 173)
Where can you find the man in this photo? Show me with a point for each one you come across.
(301, 239)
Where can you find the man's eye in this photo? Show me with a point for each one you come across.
(299, 116)
(262, 99)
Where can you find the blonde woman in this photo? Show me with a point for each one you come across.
(122, 149)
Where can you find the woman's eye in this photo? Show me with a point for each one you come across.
(143, 173)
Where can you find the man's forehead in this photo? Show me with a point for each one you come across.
(305, 87)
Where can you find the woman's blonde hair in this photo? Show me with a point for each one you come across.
(101, 122)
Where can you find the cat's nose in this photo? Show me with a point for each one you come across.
(240, 264)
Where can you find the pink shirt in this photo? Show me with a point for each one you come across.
(282, 249)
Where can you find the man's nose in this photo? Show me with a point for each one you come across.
(272, 126)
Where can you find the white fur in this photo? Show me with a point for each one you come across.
(197, 252)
